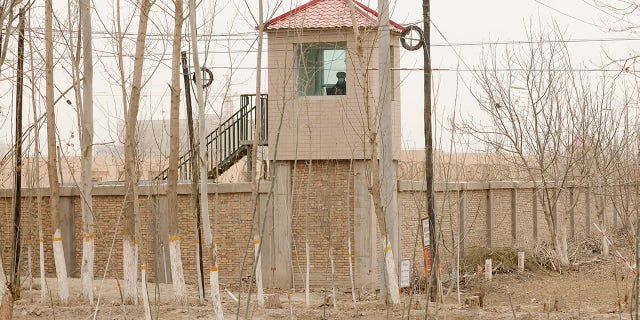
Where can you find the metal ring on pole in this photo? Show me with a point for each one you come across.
(209, 78)
(407, 41)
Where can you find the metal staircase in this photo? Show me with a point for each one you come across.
(230, 141)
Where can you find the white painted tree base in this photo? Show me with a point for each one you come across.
(129, 271)
(43, 277)
(259, 289)
(86, 269)
(177, 273)
(392, 275)
(215, 293)
(61, 268)
(145, 293)
(6, 301)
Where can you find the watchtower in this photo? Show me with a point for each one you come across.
(323, 103)
(317, 83)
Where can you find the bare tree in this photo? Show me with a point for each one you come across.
(6, 300)
(371, 134)
(599, 150)
(36, 171)
(537, 106)
(8, 15)
(257, 136)
(177, 274)
(54, 185)
(86, 146)
(132, 176)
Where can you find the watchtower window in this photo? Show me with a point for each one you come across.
(322, 69)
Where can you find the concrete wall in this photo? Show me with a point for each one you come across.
(327, 202)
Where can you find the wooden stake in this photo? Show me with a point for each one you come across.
(488, 269)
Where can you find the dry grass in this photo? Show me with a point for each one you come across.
(504, 259)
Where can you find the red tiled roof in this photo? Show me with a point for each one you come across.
(323, 14)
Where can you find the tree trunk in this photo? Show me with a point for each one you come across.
(54, 187)
(204, 165)
(6, 299)
(145, 293)
(257, 137)
(86, 146)
(131, 176)
(375, 188)
(177, 273)
(17, 194)
(36, 129)
(600, 207)
(259, 290)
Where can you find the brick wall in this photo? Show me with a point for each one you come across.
(322, 197)
(230, 214)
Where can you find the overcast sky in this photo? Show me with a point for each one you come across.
(469, 26)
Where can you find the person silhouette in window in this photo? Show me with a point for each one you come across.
(341, 85)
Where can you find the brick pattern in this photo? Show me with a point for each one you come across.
(323, 192)
(323, 195)
(230, 217)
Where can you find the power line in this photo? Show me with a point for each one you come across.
(567, 15)
(249, 36)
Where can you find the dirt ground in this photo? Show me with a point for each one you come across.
(597, 288)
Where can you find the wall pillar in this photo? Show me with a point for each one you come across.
(514, 215)
(572, 213)
(587, 214)
(276, 217)
(534, 217)
(68, 232)
(461, 220)
(364, 232)
(162, 259)
(489, 219)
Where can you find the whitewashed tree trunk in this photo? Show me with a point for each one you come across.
(375, 188)
(87, 267)
(145, 293)
(215, 288)
(131, 177)
(215, 293)
(130, 278)
(36, 169)
(177, 273)
(86, 146)
(561, 249)
(54, 187)
(259, 289)
(61, 267)
(204, 165)
(6, 300)
(392, 278)
(351, 278)
(601, 217)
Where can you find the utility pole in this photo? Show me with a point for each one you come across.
(15, 272)
(428, 146)
(204, 167)
(194, 172)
